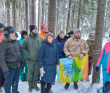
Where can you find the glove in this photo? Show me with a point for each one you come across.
(57, 68)
(7, 74)
(97, 68)
(22, 65)
(42, 72)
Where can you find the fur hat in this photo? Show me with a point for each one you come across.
(9, 30)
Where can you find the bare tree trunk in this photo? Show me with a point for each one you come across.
(73, 12)
(26, 14)
(43, 11)
(20, 20)
(79, 15)
(0, 14)
(64, 17)
(14, 14)
(68, 17)
(57, 18)
(52, 16)
(33, 12)
(98, 38)
(8, 12)
(39, 15)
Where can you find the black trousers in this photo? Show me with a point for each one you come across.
(2, 79)
(45, 87)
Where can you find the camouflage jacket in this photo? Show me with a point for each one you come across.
(91, 48)
(75, 47)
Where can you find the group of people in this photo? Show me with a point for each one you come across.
(38, 54)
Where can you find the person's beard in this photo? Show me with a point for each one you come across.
(34, 34)
(13, 38)
(92, 39)
(77, 37)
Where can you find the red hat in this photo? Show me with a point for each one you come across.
(43, 26)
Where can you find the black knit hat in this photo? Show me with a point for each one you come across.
(9, 30)
(23, 32)
(1, 25)
(32, 27)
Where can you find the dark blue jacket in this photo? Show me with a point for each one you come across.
(48, 58)
(60, 44)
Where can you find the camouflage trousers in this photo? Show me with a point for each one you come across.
(90, 67)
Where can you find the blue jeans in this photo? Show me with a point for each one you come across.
(12, 80)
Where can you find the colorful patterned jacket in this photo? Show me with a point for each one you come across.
(104, 58)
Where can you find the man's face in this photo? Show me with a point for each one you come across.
(12, 35)
(2, 29)
(61, 35)
(92, 37)
(77, 35)
(44, 29)
(34, 31)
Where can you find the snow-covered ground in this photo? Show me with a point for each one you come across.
(84, 86)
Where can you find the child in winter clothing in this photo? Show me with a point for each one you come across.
(48, 60)
(2, 80)
(104, 59)
(11, 59)
(23, 74)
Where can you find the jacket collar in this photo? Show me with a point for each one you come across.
(32, 36)
(50, 44)
(44, 34)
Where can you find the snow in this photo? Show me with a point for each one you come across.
(83, 86)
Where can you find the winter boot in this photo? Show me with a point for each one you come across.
(50, 91)
(43, 87)
(76, 86)
(67, 85)
(36, 87)
(30, 89)
(25, 79)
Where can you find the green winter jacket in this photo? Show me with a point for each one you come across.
(31, 46)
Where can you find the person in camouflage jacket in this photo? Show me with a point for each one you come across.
(75, 46)
(91, 43)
